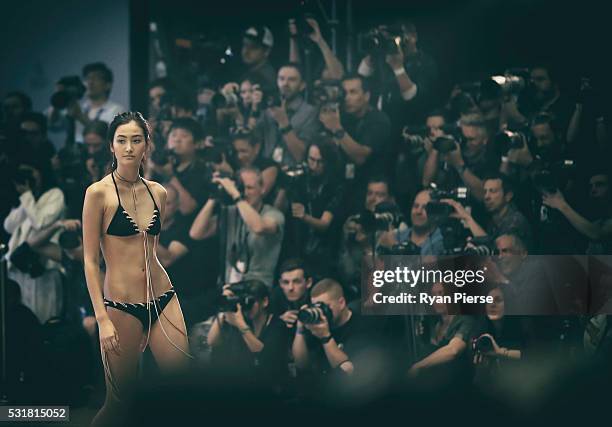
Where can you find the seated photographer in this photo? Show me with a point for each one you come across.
(500, 340)
(248, 341)
(192, 266)
(247, 149)
(597, 226)
(362, 135)
(327, 334)
(444, 344)
(293, 291)
(289, 124)
(98, 156)
(424, 235)
(253, 230)
(333, 69)
(314, 198)
(180, 167)
(41, 203)
(257, 43)
(504, 217)
(451, 164)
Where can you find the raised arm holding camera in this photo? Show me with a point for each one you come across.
(254, 230)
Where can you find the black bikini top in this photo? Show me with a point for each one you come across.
(123, 224)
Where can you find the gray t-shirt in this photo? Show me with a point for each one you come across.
(249, 255)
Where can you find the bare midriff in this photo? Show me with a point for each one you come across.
(126, 268)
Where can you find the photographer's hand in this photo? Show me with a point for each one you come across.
(228, 185)
(455, 158)
(316, 33)
(554, 200)
(520, 156)
(71, 224)
(298, 210)
(395, 61)
(290, 318)
(460, 211)
(74, 111)
(256, 98)
(22, 188)
(279, 114)
(236, 319)
(321, 329)
(330, 119)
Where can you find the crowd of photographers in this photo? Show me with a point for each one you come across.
(285, 183)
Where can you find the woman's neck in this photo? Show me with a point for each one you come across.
(128, 175)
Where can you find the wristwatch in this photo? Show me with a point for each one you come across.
(238, 198)
(326, 339)
(339, 134)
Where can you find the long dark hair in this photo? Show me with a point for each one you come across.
(123, 119)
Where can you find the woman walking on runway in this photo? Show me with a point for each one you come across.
(136, 305)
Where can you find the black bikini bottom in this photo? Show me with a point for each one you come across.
(141, 310)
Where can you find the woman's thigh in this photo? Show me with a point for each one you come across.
(168, 338)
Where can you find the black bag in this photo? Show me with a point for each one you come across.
(27, 261)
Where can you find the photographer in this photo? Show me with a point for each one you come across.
(328, 337)
(405, 74)
(499, 342)
(98, 80)
(179, 166)
(253, 230)
(192, 266)
(451, 165)
(287, 127)
(315, 200)
(504, 217)
(247, 339)
(33, 142)
(357, 241)
(41, 203)
(424, 234)
(361, 134)
(257, 43)
(444, 341)
(333, 67)
(293, 291)
(247, 149)
(98, 157)
(598, 229)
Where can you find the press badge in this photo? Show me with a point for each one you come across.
(349, 171)
(277, 155)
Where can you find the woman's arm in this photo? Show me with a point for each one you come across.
(445, 354)
(93, 213)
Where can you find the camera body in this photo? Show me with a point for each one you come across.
(382, 40)
(314, 313)
(328, 95)
(511, 140)
(217, 192)
(406, 248)
(385, 215)
(483, 344)
(242, 295)
(72, 90)
(436, 209)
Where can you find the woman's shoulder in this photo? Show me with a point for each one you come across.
(155, 186)
(100, 188)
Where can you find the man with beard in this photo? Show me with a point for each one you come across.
(288, 127)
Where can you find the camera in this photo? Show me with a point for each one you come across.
(273, 99)
(293, 179)
(242, 295)
(445, 144)
(483, 344)
(72, 90)
(554, 176)
(328, 95)
(217, 192)
(313, 313)
(69, 239)
(435, 208)
(24, 176)
(385, 215)
(511, 140)
(302, 25)
(511, 82)
(382, 40)
(406, 248)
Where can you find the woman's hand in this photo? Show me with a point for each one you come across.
(109, 338)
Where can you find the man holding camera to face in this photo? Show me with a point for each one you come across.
(253, 230)
(326, 334)
(246, 339)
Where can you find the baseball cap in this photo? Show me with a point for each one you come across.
(260, 35)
